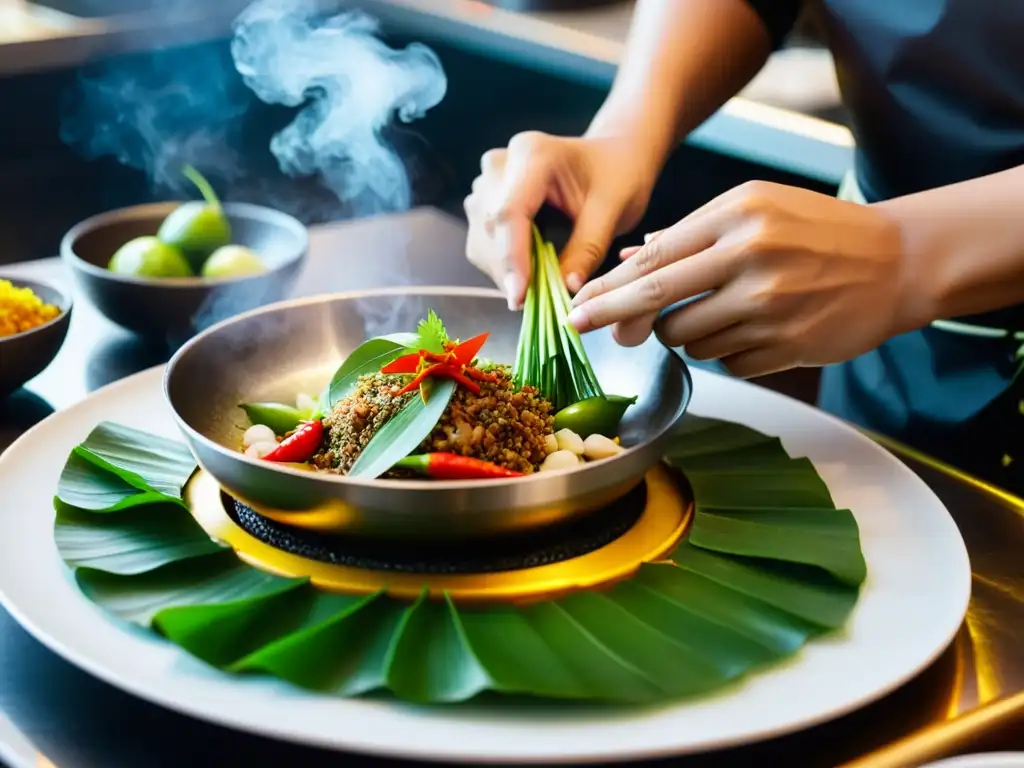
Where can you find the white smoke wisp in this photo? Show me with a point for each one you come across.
(154, 114)
(350, 86)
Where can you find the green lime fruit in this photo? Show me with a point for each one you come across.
(233, 261)
(148, 257)
(197, 229)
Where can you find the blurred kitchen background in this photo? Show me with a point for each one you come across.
(100, 98)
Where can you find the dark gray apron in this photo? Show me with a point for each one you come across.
(936, 93)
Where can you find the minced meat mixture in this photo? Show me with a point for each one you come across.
(499, 425)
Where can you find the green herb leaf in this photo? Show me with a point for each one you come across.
(403, 432)
(369, 357)
(432, 335)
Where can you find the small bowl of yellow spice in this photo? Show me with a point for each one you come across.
(34, 320)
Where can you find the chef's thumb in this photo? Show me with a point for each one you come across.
(589, 243)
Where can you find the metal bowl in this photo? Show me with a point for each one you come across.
(277, 351)
(175, 309)
(25, 355)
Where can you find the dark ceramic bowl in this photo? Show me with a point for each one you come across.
(173, 309)
(25, 355)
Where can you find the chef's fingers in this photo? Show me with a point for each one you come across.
(692, 235)
(509, 218)
(591, 237)
(633, 333)
(759, 362)
(653, 291)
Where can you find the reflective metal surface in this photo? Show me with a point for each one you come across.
(173, 309)
(278, 351)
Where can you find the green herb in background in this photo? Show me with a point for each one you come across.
(551, 356)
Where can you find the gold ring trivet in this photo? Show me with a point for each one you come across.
(661, 525)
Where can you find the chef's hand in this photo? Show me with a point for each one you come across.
(796, 278)
(594, 181)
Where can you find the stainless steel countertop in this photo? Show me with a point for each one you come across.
(79, 721)
(584, 45)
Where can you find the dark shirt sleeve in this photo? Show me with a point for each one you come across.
(778, 16)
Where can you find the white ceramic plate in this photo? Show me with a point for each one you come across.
(910, 609)
(982, 760)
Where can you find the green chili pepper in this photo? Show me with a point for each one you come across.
(279, 417)
(594, 416)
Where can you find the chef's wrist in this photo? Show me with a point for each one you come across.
(650, 144)
(920, 271)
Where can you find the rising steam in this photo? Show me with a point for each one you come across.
(160, 112)
(349, 84)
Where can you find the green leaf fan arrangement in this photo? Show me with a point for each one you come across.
(768, 564)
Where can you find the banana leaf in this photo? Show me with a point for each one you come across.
(404, 431)
(141, 469)
(768, 565)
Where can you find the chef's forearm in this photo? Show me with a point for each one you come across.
(683, 60)
(963, 246)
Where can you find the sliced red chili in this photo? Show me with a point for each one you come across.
(300, 445)
(453, 373)
(452, 364)
(434, 357)
(403, 364)
(465, 352)
(428, 371)
(476, 373)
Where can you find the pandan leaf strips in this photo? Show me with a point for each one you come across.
(550, 356)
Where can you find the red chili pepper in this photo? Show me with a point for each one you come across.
(476, 373)
(434, 357)
(443, 371)
(429, 371)
(465, 352)
(452, 364)
(403, 364)
(450, 372)
(451, 466)
(300, 445)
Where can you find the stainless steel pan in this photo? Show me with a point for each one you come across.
(277, 351)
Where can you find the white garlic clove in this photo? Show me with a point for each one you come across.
(258, 433)
(598, 447)
(259, 450)
(569, 441)
(550, 444)
(305, 403)
(560, 460)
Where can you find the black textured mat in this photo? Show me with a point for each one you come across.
(510, 553)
